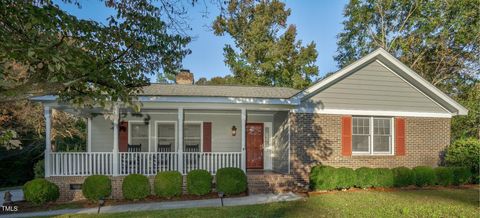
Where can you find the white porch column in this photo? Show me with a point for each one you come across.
(116, 117)
(244, 131)
(180, 140)
(47, 111)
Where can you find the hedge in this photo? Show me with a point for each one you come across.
(424, 176)
(366, 177)
(345, 178)
(168, 184)
(135, 187)
(231, 181)
(96, 187)
(403, 177)
(464, 152)
(383, 178)
(40, 191)
(199, 182)
(444, 176)
(461, 175)
(323, 178)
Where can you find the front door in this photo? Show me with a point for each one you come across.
(254, 145)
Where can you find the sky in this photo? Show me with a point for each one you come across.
(317, 20)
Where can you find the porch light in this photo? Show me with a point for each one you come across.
(234, 130)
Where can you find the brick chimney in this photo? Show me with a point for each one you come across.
(184, 77)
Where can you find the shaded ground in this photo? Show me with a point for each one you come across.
(405, 203)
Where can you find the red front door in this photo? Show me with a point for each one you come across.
(254, 145)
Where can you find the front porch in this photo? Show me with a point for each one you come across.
(180, 139)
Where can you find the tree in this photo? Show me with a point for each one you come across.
(437, 39)
(263, 55)
(46, 51)
(218, 80)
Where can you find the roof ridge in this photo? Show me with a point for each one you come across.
(224, 85)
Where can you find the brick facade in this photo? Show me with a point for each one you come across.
(316, 138)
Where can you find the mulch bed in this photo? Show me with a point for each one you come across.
(24, 206)
(469, 186)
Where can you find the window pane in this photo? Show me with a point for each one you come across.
(360, 143)
(382, 135)
(192, 137)
(361, 125)
(166, 137)
(139, 135)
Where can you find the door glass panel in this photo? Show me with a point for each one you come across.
(165, 137)
(139, 135)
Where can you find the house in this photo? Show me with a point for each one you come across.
(375, 112)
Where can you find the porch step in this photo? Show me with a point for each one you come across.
(269, 183)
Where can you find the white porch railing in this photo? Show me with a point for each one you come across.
(81, 163)
(210, 161)
(147, 163)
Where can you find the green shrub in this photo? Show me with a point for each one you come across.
(231, 181)
(345, 177)
(323, 178)
(135, 186)
(39, 191)
(96, 187)
(465, 153)
(365, 177)
(444, 176)
(383, 178)
(39, 169)
(424, 176)
(199, 182)
(403, 177)
(461, 175)
(168, 184)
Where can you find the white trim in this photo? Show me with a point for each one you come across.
(289, 137)
(267, 159)
(381, 52)
(175, 133)
(130, 132)
(374, 113)
(244, 135)
(223, 100)
(89, 134)
(201, 132)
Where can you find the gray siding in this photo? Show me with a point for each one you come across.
(102, 134)
(372, 87)
(280, 142)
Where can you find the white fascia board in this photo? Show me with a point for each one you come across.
(224, 100)
(461, 110)
(373, 113)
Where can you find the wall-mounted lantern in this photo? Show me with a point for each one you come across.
(234, 130)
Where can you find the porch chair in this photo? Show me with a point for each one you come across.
(131, 163)
(192, 148)
(161, 160)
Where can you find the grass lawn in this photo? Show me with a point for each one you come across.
(411, 203)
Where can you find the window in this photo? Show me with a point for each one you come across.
(166, 136)
(139, 134)
(192, 137)
(372, 135)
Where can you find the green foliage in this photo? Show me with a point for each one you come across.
(403, 176)
(424, 176)
(263, 56)
(465, 153)
(444, 175)
(199, 182)
(168, 184)
(96, 187)
(461, 175)
(384, 178)
(40, 191)
(39, 169)
(323, 178)
(231, 181)
(365, 177)
(45, 50)
(135, 187)
(345, 177)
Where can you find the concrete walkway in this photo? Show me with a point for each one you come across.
(248, 200)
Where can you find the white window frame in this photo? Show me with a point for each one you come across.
(201, 133)
(175, 135)
(371, 136)
(130, 131)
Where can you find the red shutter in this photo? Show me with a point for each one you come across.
(207, 137)
(123, 137)
(347, 136)
(400, 136)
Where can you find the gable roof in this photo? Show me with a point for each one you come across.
(394, 65)
(218, 91)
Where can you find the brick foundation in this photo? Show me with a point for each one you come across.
(316, 138)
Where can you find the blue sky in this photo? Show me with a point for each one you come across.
(318, 21)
